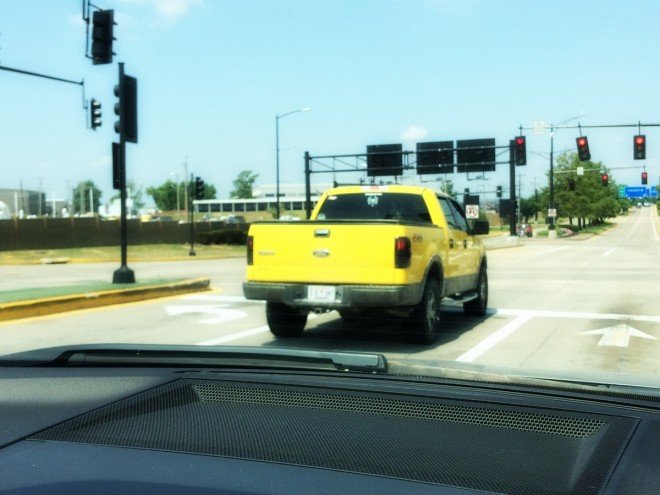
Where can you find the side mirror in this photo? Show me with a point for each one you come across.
(479, 227)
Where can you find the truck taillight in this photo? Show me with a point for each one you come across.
(402, 252)
(250, 250)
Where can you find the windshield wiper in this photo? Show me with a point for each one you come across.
(195, 356)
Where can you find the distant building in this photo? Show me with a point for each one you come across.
(28, 202)
(292, 198)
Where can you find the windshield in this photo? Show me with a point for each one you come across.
(161, 161)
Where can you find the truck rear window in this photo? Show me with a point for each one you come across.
(375, 206)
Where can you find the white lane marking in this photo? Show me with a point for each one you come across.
(235, 336)
(576, 315)
(609, 251)
(639, 219)
(552, 250)
(494, 339)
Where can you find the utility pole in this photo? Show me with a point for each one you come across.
(185, 188)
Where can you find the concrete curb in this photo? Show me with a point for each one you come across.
(72, 302)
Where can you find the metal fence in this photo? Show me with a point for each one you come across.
(58, 233)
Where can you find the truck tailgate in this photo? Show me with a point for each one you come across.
(326, 253)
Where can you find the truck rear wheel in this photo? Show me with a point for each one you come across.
(426, 314)
(285, 321)
(477, 307)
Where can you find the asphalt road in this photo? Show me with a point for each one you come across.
(572, 305)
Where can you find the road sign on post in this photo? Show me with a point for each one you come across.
(472, 212)
(552, 212)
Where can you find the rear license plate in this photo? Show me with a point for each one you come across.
(321, 293)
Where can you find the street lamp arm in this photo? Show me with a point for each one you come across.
(306, 109)
(277, 156)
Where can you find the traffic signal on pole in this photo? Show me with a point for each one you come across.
(583, 148)
(571, 184)
(498, 191)
(645, 178)
(95, 113)
(102, 30)
(466, 191)
(126, 108)
(639, 150)
(604, 180)
(199, 188)
(520, 151)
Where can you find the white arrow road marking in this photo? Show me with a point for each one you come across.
(220, 313)
(220, 298)
(618, 335)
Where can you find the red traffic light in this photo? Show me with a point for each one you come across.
(645, 178)
(520, 151)
(639, 150)
(604, 178)
(583, 148)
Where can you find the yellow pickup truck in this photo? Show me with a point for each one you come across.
(365, 250)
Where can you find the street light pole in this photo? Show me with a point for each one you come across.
(277, 156)
(551, 227)
(178, 186)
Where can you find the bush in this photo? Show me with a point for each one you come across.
(233, 236)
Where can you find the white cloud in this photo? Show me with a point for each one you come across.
(170, 10)
(413, 132)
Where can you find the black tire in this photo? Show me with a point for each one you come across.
(426, 315)
(285, 321)
(477, 307)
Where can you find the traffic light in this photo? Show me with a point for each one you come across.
(639, 150)
(102, 28)
(466, 191)
(199, 188)
(95, 113)
(126, 108)
(645, 178)
(571, 184)
(498, 191)
(604, 180)
(583, 148)
(520, 151)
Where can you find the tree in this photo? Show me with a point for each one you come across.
(528, 208)
(86, 193)
(243, 185)
(210, 191)
(165, 195)
(448, 188)
(588, 200)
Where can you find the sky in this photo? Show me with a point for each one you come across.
(213, 75)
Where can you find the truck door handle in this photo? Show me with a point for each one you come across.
(451, 243)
